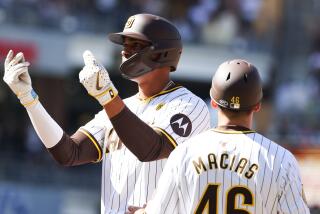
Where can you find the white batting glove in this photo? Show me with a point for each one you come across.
(95, 78)
(18, 79)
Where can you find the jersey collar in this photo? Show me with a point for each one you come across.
(232, 129)
(172, 86)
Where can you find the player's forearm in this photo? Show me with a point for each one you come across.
(114, 107)
(47, 129)
(66, 150)
(74, 150)
(140, 138)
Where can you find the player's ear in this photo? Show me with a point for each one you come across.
(257, 107)
(213, 104)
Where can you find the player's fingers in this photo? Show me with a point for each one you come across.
(19, 66)
(15, 72)
(9, 57)
(84, 73)
(82, 76)
(140, 211)
(23, 59)
(133, 208)
(19, 69)
(88, 58)
(16, 59)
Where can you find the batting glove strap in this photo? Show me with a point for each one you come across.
(107, 95)
(29, 98)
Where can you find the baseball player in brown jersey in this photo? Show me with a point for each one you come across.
(231, 168)
(131, 136)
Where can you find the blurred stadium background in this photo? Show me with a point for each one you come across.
(282, 37)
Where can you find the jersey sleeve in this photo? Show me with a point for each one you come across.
(166, 197)
(184, 117)
(292, 198)
(97, 129)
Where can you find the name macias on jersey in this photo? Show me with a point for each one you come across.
(225, 161)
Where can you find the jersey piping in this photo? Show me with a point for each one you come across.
(232, 131)
(95, 143)
(171, 140)
(161, 93)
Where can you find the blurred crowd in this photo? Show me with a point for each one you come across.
(225, 22)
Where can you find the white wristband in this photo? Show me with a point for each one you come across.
(29, 98)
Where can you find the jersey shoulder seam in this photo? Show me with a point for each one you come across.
(94, 141)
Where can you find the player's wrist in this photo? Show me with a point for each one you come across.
(107, 94)
(29, 98)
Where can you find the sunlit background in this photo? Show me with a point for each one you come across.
(281, 37)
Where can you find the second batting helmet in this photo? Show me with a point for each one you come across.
(165, 43)
(236, 85)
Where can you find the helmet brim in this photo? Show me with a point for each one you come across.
(118, 37)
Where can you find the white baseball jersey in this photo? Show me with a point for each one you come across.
(177, 113)
(222, 172)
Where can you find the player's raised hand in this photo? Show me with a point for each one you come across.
(17, 77)
(95, 78)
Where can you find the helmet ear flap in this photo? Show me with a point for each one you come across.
(139, 63)
(149, 59)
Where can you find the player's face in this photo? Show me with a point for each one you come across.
(132, 46)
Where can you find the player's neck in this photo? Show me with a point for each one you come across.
(153, 84)
(226, 123)
(146, 91)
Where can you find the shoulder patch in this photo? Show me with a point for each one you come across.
(181, 125)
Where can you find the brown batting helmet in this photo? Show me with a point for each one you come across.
(164, 38)
(236, 85)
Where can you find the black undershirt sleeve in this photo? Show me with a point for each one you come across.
(143, 141)
(75, 150)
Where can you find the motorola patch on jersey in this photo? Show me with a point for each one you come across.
(181, 125)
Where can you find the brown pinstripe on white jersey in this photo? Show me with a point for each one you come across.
(221, 172)
(126, 180)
